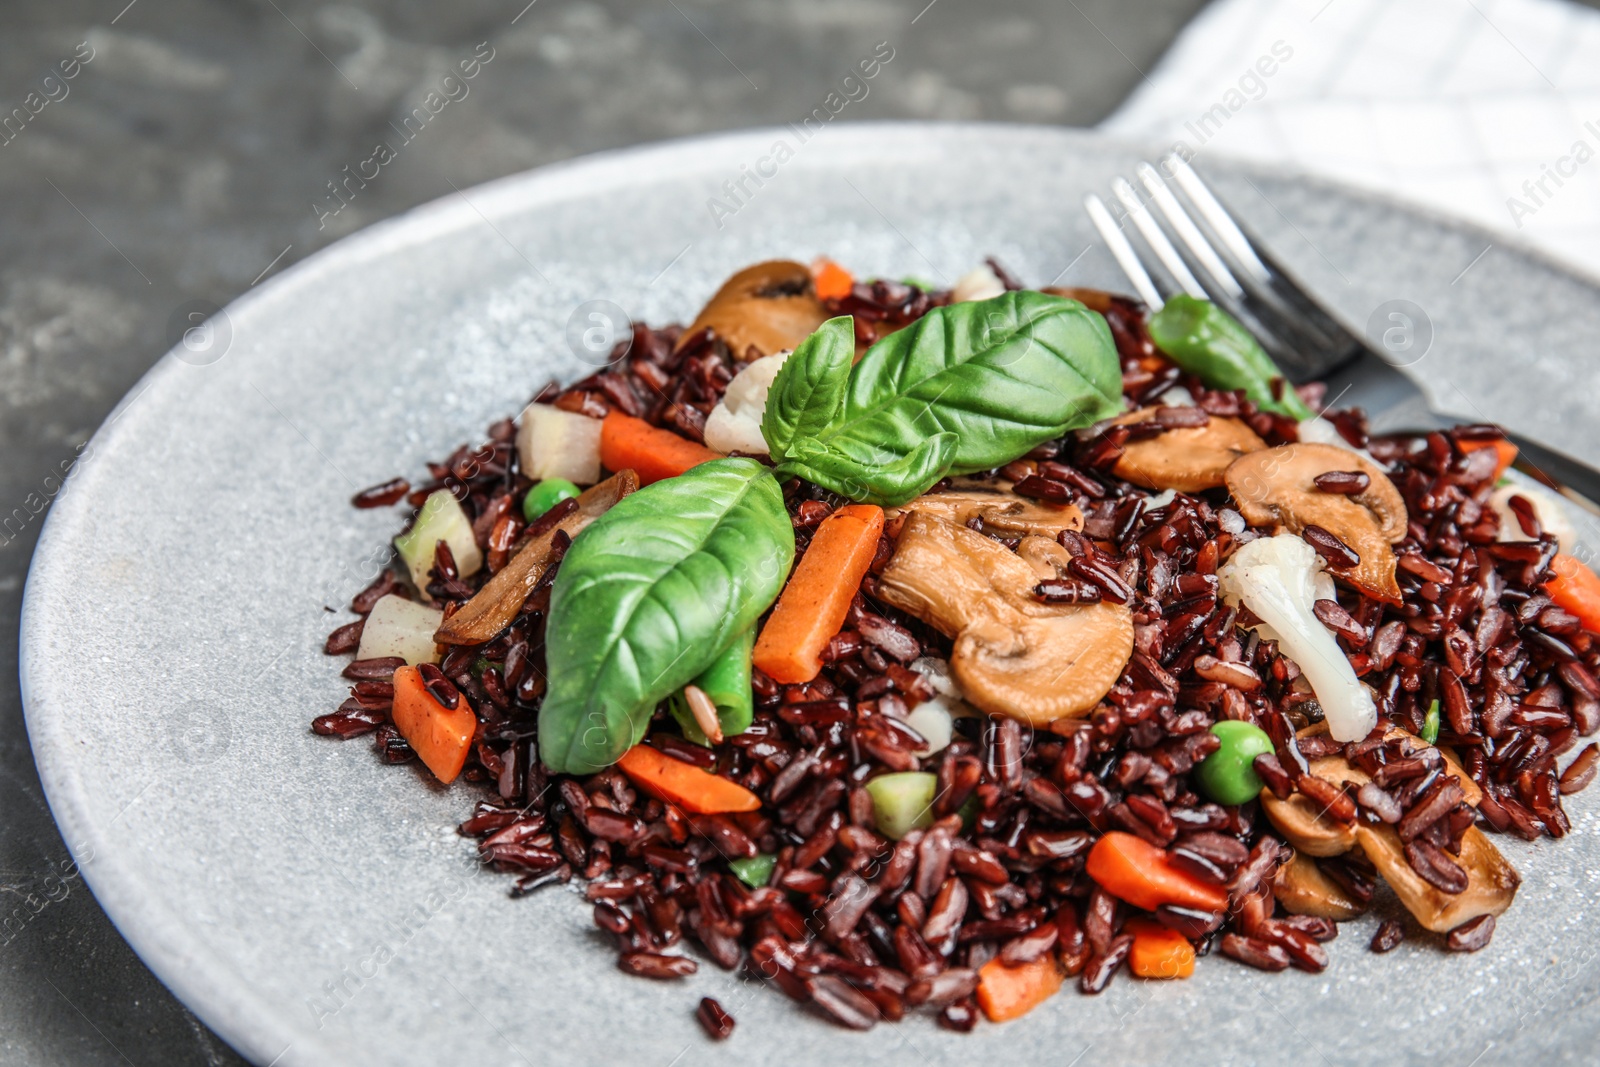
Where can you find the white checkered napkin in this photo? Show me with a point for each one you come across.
(1486, 108)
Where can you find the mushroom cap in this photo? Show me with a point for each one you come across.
(771, 306)
(1277, 487)
(1187, 459)
(1491, 881)
(994, 505)
(1303, 889)
(1013, 655)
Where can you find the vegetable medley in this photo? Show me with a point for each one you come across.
(930, 647)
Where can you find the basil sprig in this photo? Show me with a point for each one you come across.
(965, 388)
(650, 596)
(1215, 347)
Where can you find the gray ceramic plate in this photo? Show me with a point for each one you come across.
(316, 907)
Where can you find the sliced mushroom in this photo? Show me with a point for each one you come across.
(1013, 655)
(1187, 459)
(1491, 881)
(1001, 511)
(771, 306)
(1303, 889)
(1277, 487)
(1301, 820)
(494, 606)
(1045, 555)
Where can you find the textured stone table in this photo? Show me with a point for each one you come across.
(174, 151)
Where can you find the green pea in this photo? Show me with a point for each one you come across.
(546, 495)
(754, 871)
(1226, 776)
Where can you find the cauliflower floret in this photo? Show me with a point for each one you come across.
(1280, 578)
(979, 283)
(1547, 508)
(1322, 432)
(734, 425)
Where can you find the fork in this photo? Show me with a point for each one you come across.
(1230, 269)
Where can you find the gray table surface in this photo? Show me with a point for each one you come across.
(186, 161)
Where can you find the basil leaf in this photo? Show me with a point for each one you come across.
(1215, 347)
(649, 596)
(817, 374)
(888, 485)
(1002, 375)
(727, 683)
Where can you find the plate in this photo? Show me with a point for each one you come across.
(316, 907)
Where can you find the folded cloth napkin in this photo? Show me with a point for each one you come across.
(1486, 109)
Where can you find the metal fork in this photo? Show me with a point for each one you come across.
(1229, 268)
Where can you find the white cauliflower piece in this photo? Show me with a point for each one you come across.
(1548, 508)
(979, 283)
(1280, 578)
(734, 425)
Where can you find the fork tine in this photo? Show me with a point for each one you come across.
(1122, 251)
(1291, 311)
(1216, 216)
(1188, 233)
(1157, 240)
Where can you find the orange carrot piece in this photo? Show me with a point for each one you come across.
(1006, 993)
(441, 736)
(1158, 952)
(817, 599)
(1132, 869)
(830, 280)
(1507, 452)
(649, 450)
(1576, 589)
(684, 784)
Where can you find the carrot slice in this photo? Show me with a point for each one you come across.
(1507, 451)
(1006, 993)
(1132, 869)
(814, 604)
(684, 784)
(830, 280)
(440, 736)
(1575, 588)
(1157, 951)
(652, 452)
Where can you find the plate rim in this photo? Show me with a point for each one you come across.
(204, 981)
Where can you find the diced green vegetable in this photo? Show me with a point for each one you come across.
(903, 802)
(727, 683)
(754, 871)
(1215, 347)
(441, 519)
(546, 495)
(1227, 775)
(1430, 724)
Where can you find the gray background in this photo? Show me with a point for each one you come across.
(184, 166)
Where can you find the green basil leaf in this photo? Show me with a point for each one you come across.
(1215, 347)
(1002, 375)
(814, 380)
(888, 485)
(727, 683)
(649, 596)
